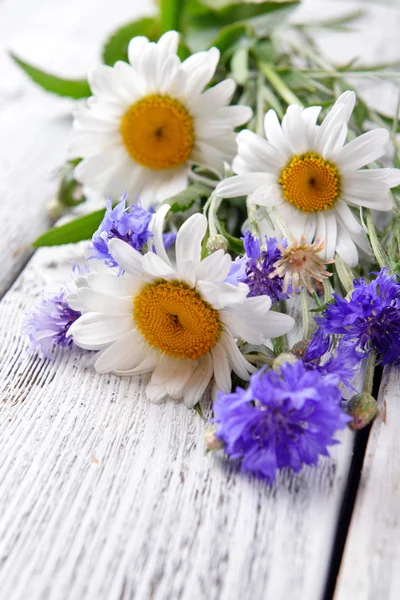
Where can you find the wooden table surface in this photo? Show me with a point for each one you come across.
(104, 496)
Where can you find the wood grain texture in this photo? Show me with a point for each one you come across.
(35, 126)
(370, 566)
(105, 496)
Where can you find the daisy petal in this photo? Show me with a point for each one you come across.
(214, 267)
(222, 370)
(346, 248)
(94, 331)
(237, 361)
(126, 257)
(222, 294)
(157, 227)
(363, 150)
(199, 381)
(107, 305)
(155, 393)
(188, 245)
(242, 185)
(127, 352)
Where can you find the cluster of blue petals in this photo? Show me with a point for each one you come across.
(128, 224)
(340, 363)
(280, 420)
(256, 266)
(370, 320)
(48, 323)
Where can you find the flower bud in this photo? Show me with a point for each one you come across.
(363, 408)
(217, 242)
(212, 442)
(283, 359)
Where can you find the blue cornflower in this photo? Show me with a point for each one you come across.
(48, 323)
(237, 272)
(281, 420)
(259, 267)
(256, 266)
(370, 320)
(340, 363)
(128, 224)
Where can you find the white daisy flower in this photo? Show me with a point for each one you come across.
(178, 322)
(149, 121)
(311, 177)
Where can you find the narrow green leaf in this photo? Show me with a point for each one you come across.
(184, 200)
(197, 408)
(70, 88)
(321, 308)
(77, 230)
(116, 47)
(235, 244)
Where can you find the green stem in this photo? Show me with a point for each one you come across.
(307, 322)
(369, 373)
(252, 216)
(345, 274)
(260, 105)
(278, 84)
(282, 225)
(213, 222)
(170, 14)
(327, 290)
(380, 254)
(259, 358)
(343, 74)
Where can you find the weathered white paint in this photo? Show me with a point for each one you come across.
(105, 496)
(370, 567)
(102, 495)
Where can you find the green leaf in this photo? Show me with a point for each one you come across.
(202, 24)
(228, 36)
(70, 88)
(236, 12)
(77, 230)
(184, 200)
(116, 47)
(197, 408)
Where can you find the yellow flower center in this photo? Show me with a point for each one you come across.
(158, 132)
(174, 319)
(310, 183)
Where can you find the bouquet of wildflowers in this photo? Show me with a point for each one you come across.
(244, 186)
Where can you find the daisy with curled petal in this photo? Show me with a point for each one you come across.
(149, 121)
(178, 322)
(307, 173)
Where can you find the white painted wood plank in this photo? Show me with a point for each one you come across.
(64, 38)
(370, 567)
(104, 496)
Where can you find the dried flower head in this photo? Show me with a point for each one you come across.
(300, 263)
